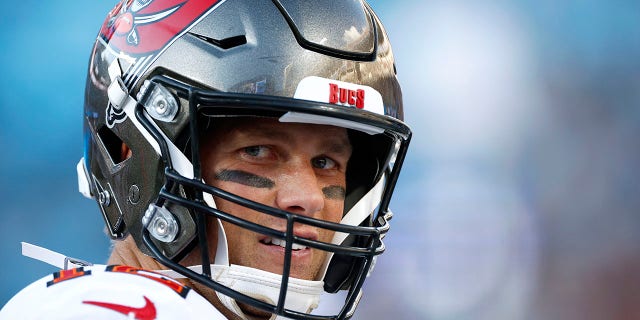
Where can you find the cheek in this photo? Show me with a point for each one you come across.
(253, 194)
(230, 207)
(334, 210)
(333, 213)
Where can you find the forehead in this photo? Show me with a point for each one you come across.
(270, 128)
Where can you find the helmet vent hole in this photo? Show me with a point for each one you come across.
(226, 43)
(118, 150)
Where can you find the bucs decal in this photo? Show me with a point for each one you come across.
(346, 96)
(342, 93)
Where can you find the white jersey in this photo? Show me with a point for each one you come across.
(104, 292)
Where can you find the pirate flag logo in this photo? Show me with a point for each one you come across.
(144, 27)
(141, 30)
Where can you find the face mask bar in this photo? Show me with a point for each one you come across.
(204, 102)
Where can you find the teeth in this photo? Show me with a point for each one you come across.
(278, 242)
(298, 247)
(283, 243)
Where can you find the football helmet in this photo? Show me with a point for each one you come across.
(161, 71)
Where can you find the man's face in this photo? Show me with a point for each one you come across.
(299, 168)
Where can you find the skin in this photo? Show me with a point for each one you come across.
(299, 168)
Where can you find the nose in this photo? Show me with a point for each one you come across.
(299, 191)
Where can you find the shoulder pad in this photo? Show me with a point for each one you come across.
(108, 292)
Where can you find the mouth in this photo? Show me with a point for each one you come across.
(272, 251)
(295, 247)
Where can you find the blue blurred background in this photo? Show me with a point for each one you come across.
(519, 198)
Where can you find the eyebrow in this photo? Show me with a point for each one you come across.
(245, 178)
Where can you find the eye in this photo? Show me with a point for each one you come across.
(323, 163)
(256, 151)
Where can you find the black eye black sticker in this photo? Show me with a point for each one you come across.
(245, 178)
(334, 192)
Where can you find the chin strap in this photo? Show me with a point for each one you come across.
(302, 295)
(53, 258)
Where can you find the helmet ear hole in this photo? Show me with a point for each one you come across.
(366, 165)
(118, 151)
(341, 271)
